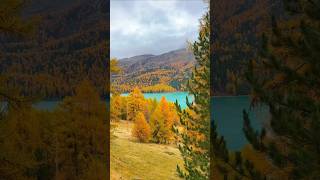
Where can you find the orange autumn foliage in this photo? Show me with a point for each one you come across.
(162, 120)
(141, 128)
(135, 104)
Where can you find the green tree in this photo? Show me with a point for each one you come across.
(203, 150)
(195, 137)
(286, 78)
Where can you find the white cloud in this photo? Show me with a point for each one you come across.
(152, 26)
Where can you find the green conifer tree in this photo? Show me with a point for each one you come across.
(195, 136)
(286, 78)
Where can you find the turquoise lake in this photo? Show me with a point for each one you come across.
(170, 96)
(225, 111)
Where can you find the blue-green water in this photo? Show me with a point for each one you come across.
(170, 96)
(47, 105)
(225, 111)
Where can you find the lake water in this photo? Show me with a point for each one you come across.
(46, 105)
(225, 111)
(227, 114)
(170, 96)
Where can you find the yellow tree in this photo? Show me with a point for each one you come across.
(162, 120)
(19, 140)
(135, 103)
(115, 108)
(19, 128)
(141, 128)
(81, 133)
(123, 107)
(114, 66)
(150, 106)
(114, 70)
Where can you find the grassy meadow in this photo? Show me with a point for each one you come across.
(131, 159)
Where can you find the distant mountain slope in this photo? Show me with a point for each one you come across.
(71, 44)
(172, 68)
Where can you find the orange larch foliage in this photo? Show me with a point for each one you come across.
(162, 120)
(141, 128)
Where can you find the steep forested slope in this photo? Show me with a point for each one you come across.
(70, 44)
(237, 28)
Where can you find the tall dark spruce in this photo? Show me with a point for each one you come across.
(287, 79)
(195, 136)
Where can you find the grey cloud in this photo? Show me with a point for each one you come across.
(153, 27)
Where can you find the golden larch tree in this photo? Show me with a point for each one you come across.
(161, 122)
(135, 103)
(141, 128)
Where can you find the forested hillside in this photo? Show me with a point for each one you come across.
(70, 45)
(71, 140)
(237, 29)
(158, 72)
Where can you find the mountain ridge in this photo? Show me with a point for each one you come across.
(171, 68)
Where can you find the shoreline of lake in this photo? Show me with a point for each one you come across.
(226, 111)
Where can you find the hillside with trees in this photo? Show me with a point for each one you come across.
(285, 77)
(155, 73)
(237, 27)
(69, 142)
(70, 45)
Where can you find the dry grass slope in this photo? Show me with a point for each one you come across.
(133, 160)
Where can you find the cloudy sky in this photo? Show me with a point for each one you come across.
(153, 26)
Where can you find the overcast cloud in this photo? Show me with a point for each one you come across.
(153, 26)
